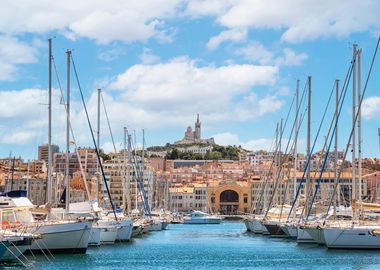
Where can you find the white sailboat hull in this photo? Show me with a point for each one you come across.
(258, 227)
(125, 231)
(352, 238)
(108, 234)
(317, 234)
(62, 237)
(290, 230)
(304, 237)
(156, 226)
(94, 236)
(16, 248)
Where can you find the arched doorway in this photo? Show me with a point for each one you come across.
(229, 202)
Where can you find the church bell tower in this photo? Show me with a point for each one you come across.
(197, 132)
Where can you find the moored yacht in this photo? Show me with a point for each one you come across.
(198, 217)
(352, 237)
(57, 236)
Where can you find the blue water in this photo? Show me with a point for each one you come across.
(224, 246)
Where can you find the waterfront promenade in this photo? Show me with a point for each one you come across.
(223, 246)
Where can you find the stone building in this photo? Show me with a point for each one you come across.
(87, 157)
(119, 176)
(192, 137)
(43, 152)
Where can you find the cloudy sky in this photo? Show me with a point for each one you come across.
(160, 62)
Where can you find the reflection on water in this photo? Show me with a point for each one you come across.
(220, 246)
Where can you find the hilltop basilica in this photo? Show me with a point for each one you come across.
(192, 137)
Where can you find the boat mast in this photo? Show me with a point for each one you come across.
(353, 141)
(125, 166)
(67, 182)
(97, 144)
(136, 188)
(280, 165)
(295, 143)
(308, 152)
(27, 180)
(336, 142)
(129, 204)
(50, 158)
(359, 129)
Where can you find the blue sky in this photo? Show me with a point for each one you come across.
(161, 62)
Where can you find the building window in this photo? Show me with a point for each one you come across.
(212, 199)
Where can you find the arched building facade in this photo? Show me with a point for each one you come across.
(230, 197)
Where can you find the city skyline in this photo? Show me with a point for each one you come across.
(229, 61)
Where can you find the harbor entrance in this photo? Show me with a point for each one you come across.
(229, 202)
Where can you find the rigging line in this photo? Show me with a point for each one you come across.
(282, 162)
(140, 181)
(267, 179)
(71, 129)
(314, 144)
(287, 116)
(333, 122)
(264, 183)
(261, 187)
(353, 127)
(108, 122)
(93, 138)
(113, 143)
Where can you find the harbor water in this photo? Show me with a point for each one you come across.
(223, 246)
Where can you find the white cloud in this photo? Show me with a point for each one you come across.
(207, 7)
(228, 138)
(147, 57)
(20, 115)
(103, 21)
(229, 35)
(291, 58)
(179, 88)
(297, 19)
(371, 108)
(255, 52)
(112, 54)
(155, 96)
(12, 53)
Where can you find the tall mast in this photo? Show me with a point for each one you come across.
(134, 153)
(98, 128)
(295, 143)
(280, 163)
(359, 130)
(27, 180)
(336, 141)
(143, 147)
(124, 166)
(97, 145)
(50, 158)
(308, 152)
(68, 133)
(353, 142)
(129, 204)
